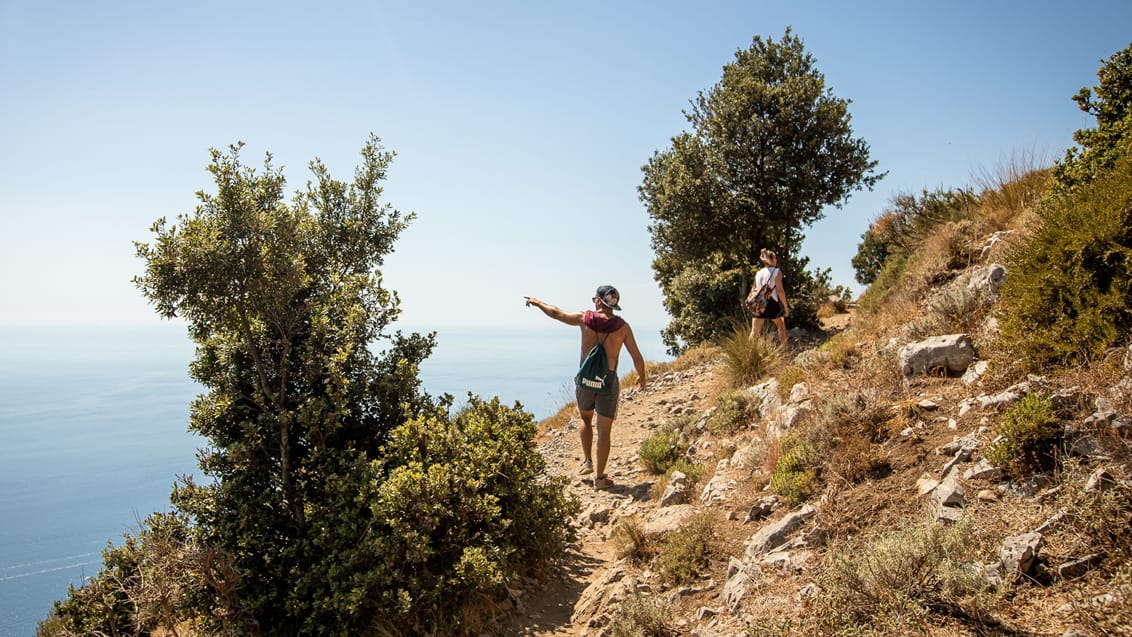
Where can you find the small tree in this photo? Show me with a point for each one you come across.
(770, 148)
(1110, 101)
(284, 302)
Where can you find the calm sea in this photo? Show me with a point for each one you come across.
(93, 433)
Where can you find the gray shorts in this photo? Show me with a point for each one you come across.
(604, 404)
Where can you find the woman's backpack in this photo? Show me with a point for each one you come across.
(760, 296)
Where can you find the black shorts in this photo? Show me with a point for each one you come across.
(773, 310)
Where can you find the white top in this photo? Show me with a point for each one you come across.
(768, 274)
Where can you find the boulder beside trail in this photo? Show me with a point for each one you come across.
(952, 353)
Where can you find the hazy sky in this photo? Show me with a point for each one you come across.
(520, 127)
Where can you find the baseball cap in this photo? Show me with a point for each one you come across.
(609, 296)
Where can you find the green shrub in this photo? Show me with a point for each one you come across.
(886, 282)
(463, 509)
(688, 549)
(796, 472)
(1026, 436)
(1068, 296)
(660, 451)
(734, 412)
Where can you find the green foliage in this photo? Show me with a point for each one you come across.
(1026, 436)
(1110, 102)
(285, 303)
(1069, 294)
(660, 451)
(688, 549)
(343, 500)
(770, 148)
(796, 472)
(462, 509)
(703, 301)
(891, 583)
(787, 378)
(887, 280)
(694, 471)
(735, 410)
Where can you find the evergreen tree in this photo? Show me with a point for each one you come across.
(770, 148)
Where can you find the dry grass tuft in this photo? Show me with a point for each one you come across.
(1011, 189)
(560, 420)
(748, 359)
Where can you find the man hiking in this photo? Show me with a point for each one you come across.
(599, 326)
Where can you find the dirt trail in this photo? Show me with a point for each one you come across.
(546, 612)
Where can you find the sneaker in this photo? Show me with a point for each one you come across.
(603, 482)
(586, 468)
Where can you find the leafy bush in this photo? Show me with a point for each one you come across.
(1100, 517)
(1069, 294)
(734, 412)
(787, 378)
(660, 451)
(463, 508)
(951, 310)
(688, 549)
(892, 583)
(795, 474)
(842, 350)
(152, 582)
(1026, 436)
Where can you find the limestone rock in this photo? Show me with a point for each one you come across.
(953, 353)
(776, 533)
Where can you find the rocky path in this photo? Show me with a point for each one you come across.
(547, 610)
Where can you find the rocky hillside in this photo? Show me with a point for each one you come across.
(903, 426)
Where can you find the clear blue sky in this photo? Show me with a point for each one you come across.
(520, 127)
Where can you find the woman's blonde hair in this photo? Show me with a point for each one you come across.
(767, 256)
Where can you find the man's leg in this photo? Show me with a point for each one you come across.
(586, 434)
(604, 427)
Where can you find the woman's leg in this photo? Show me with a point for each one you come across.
(756, 327)
(783, 336)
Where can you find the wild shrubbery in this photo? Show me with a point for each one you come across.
(456, 509)
(796, 468)
(735, 411)
(661, 451)
(898, 580)
(1069, 293)
(1025, 437)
